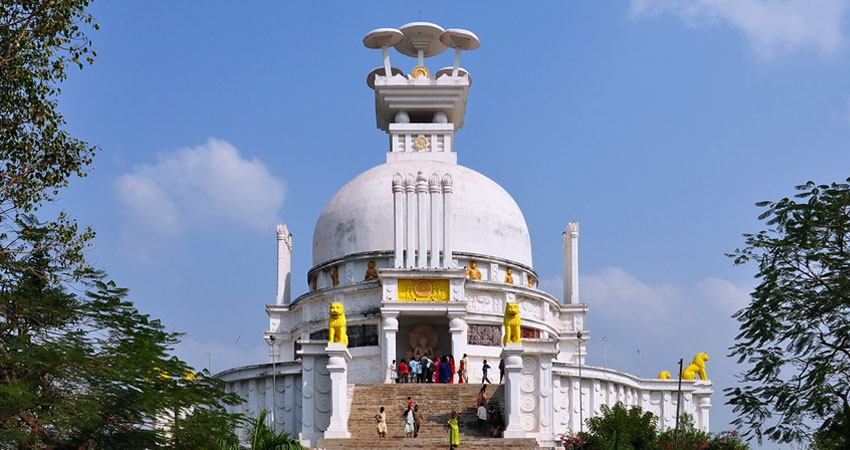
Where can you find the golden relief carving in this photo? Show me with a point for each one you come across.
(420, 71)
(509, 277)
(371, 272)
(472, 271)
(335, 275)
(421, 143)
(421, 290)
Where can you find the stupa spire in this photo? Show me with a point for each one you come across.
(420, 111)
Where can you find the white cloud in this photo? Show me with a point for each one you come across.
(615, 292)
(648, 327)
(722, 293)
(198, 187)
(771, 26)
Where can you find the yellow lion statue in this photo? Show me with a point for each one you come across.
(336, 324)
(696, 367)
(512, 323)
(664, 375)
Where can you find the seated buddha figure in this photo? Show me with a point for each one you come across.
(472, 271)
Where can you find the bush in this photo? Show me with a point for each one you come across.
(572, 441)
(688, 437)
(619, 428)
(727, 440)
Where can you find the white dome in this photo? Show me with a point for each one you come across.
(359, 218)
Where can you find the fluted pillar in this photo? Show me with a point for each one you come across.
(422, 201)
(571, 263)
(410, 188)
(447, 221)
(398, 221)
(434, 191)
(284, 250)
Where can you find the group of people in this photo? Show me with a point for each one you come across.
(427, 370)
(413, 422)
(439, 370)
(411, 417)
(486, 416)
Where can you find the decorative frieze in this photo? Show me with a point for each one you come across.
(487, 335)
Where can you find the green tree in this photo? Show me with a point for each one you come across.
(80, 367)
(261, 437)
(795, 333)
(687, 437)
(618, 428)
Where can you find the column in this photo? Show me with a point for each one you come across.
(512, 353)
(434, 191)
(458, 330)
(571, 263)
(271, 405)
(447, 221)
(703, 405)
(310, 352)
(422, 247)
(338, 358)
(284, 250)
(389, 327)
(409, 188)
(546, 407)
(398, 221)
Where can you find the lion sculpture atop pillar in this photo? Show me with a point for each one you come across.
(512, 323)
(696, 367)
(336, 324)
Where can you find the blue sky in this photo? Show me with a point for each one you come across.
(655, 123)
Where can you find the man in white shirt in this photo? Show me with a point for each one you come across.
(416, 371)
(426, 365)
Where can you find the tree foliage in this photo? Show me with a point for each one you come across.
(80, 367)
(260, 436)
(795, 333)
(618, 428)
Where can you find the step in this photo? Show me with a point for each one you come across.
(425, 443)
(436, 401)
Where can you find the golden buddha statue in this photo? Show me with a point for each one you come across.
(371, 272)
(472, 271)
(335, 275)
(509, 277)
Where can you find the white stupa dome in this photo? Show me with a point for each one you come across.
(359, 218)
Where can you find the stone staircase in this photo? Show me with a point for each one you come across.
(436, 402)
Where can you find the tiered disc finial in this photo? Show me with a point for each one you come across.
(421, 36)
(383, 37)
(462, 39)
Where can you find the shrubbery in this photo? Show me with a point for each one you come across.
(619, 428)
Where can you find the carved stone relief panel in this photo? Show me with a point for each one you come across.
(530, 309)
(482, 301)
(489, 335)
